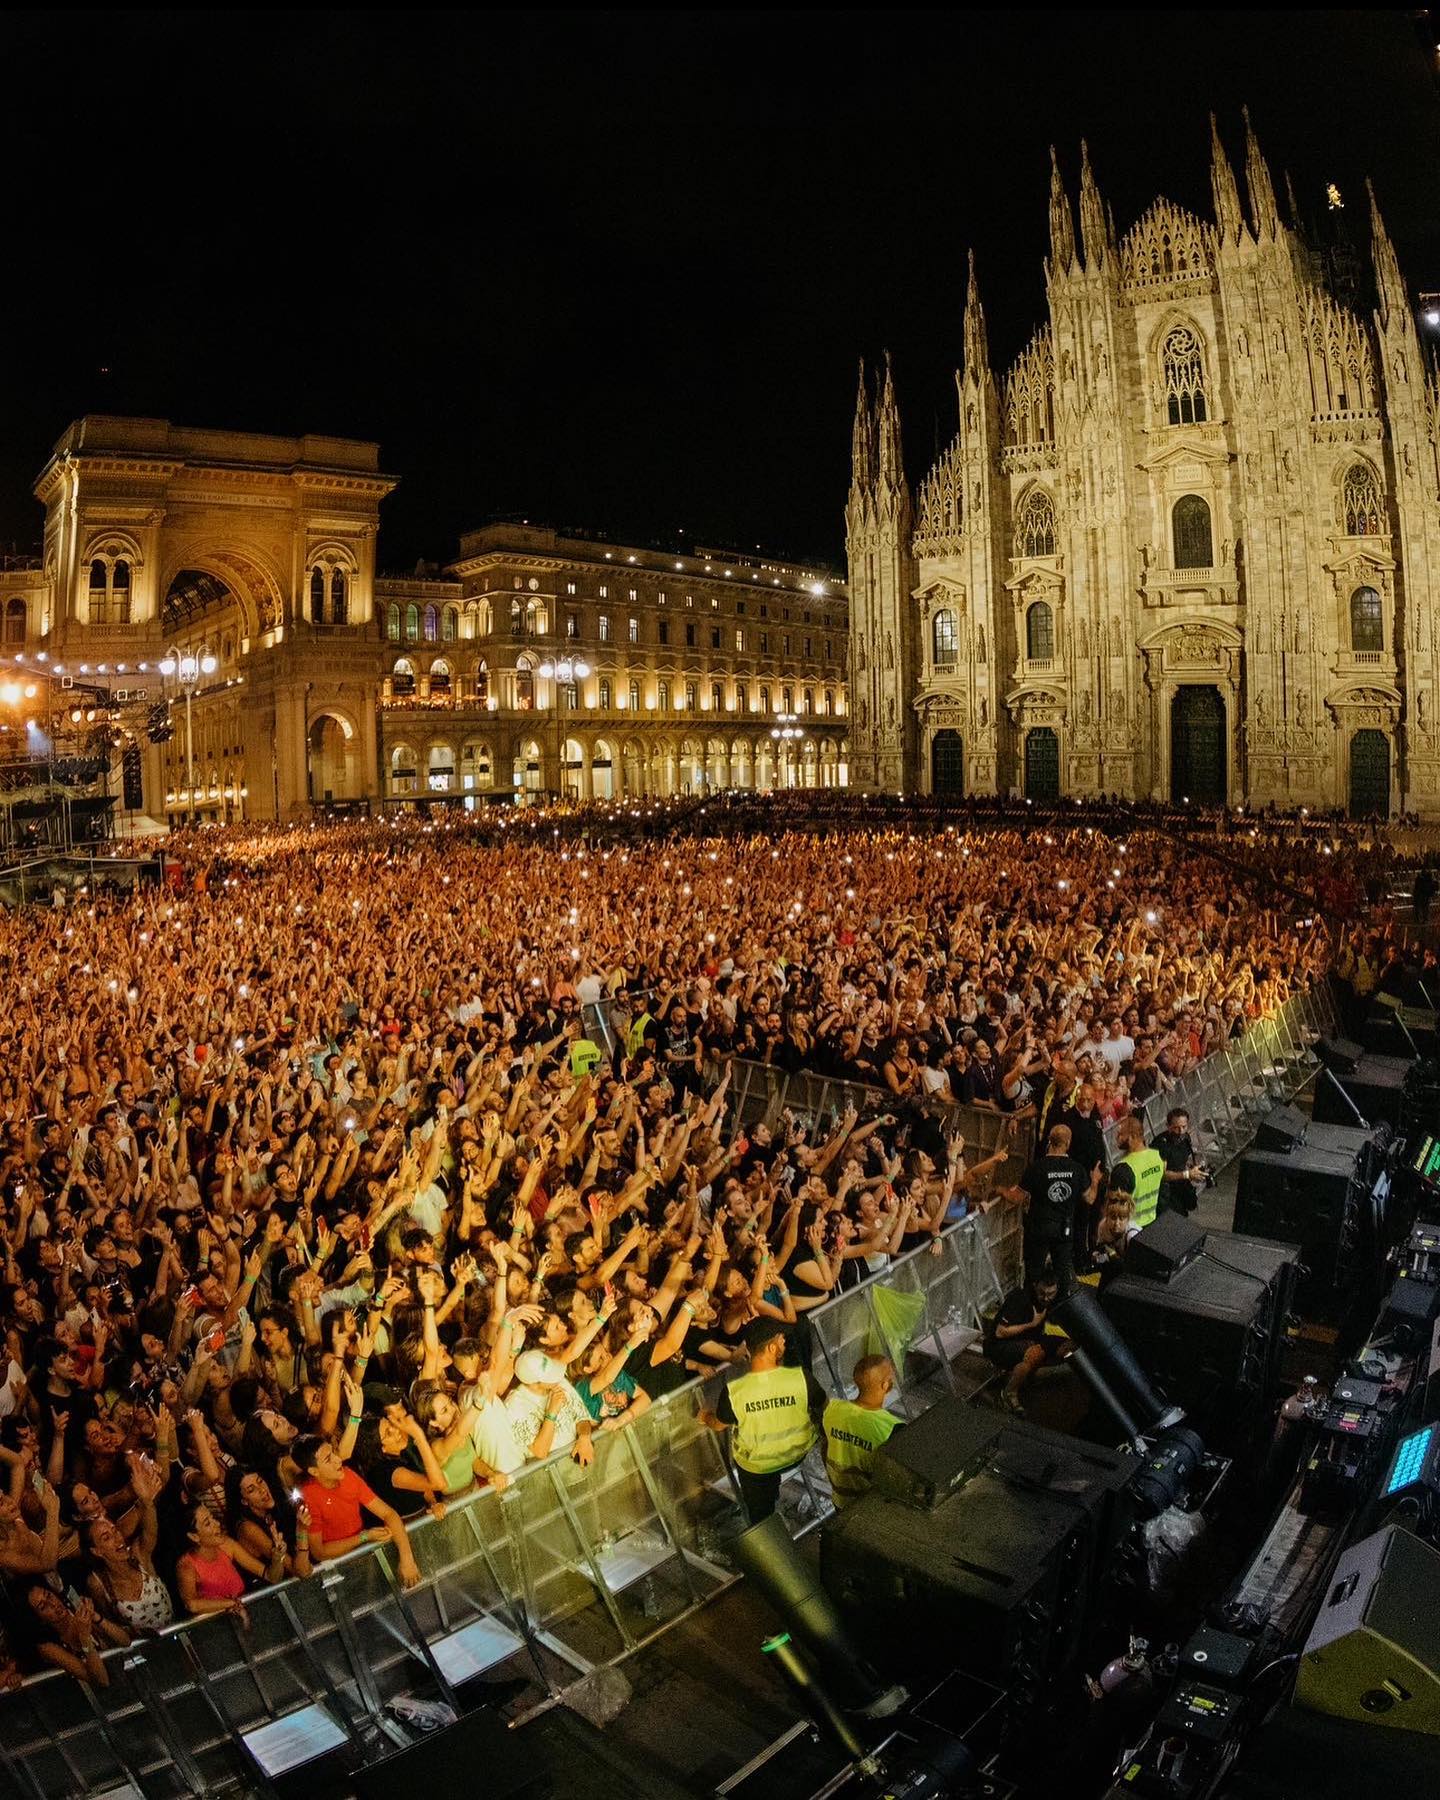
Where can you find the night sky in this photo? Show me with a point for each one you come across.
(613, 269)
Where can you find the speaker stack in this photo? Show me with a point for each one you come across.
(1310, 1182)
(1204, 1314)
(1360, 1081)
(984, 1542)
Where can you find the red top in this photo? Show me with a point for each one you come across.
(335, 1512)
(216, 1577)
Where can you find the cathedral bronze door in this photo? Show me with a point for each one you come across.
(947, 764)
(1197, 747)
(1369, 775)
(1042, 764)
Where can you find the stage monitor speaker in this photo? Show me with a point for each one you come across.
(1373, 1654)
(1164, 1248)
(478, 1750)
(1282, 1129)
(1340, 1054)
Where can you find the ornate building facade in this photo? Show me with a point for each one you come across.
(215, 594)
(1188, 545)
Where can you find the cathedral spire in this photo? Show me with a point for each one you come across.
(1389, 283)
(1264, 218)
(1291, 204)
(891, 461)
(1092, 213)
(1228, 216)
(862, 441)
(977, 355)
(1062, 226)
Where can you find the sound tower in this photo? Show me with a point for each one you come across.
(132, 779)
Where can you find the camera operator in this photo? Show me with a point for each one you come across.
(1183, 1175)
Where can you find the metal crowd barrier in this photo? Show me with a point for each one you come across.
(566, 1571)
(1231, 1090)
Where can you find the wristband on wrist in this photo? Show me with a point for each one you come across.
(355, 1418)
(552, 1418)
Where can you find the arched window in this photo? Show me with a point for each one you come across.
(764, 699)
(742, 697)
(15, 620)
(787, 700)
(525, 688)
(450, 624)
(339, 597)
(412, 623)
(120, 592)
(392, 623)
(829, 703)
(432, 625)
(807, 703)
(717, 696)
(690, 696)
(1361, 503)
(99, 592)
(1035, 527)
(942, 634)
(402, 677)
(604, 694)
(517, 618)
(1040, 632)
(662, 696)
(317, 595)
(1367, 624)
(1190, 528)
(1184, 375)
(440, 676)
(482, 685)
(634, 696)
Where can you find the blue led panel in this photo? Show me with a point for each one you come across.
(1410, 1458)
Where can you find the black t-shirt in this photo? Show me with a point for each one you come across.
(1087, 1138)
(1179, 1154)
(1054, 1184)
(1017, 1308)
(657, 1380)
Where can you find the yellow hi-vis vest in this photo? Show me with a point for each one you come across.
(773, 1427)
(635, 1036)
(1148, 1168)
(853, 1433)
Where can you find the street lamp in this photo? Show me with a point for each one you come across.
(562, 674)
(784, 734)
(187, 669)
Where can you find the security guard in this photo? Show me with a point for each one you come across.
(770, 1409)
(1139, 1171)
(856, 1429)
(644, 1025)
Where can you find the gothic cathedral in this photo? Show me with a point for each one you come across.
(1188, 547)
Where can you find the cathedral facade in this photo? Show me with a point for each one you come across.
(1186, 547)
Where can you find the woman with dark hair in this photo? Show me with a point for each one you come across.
(123, 1581)
(210, 1575)
(262, 1519)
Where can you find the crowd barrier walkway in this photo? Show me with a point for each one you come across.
(565, 1571)
(1229, 1093)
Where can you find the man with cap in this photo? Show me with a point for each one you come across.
(772, 1409)
(545, 1411)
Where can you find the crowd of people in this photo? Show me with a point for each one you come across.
(325, 1201)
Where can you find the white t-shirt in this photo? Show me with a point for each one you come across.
(492, 1436)
(1115, 1051)
(527, 1415)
